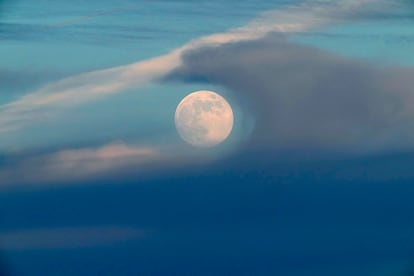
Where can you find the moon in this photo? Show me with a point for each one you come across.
(204, 119)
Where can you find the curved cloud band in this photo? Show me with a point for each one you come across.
(88, 86)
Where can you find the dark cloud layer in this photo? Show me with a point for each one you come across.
(304, 98)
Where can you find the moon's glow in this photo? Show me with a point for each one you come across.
(204, 119)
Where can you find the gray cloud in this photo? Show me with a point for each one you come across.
(302, 97)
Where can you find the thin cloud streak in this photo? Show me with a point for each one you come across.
(67, 238)
(86, 18)
(93, 85)
(73, 164)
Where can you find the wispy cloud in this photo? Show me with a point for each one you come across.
(74, 166)
(89, 86)
(71, 164)
(67, 238)
(89, 17)
(19, 81)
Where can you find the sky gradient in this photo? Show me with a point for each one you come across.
(315, 178)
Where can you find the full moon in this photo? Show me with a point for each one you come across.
(204, 119)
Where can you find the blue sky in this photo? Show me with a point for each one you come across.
(315, 178)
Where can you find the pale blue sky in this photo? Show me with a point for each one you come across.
(56, 39)
(387, 41)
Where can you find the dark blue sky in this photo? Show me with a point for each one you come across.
(237, 216)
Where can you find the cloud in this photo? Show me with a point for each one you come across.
(67, 238)
(18, 81)
(108, 163)
(18, 31)
(304, 98)
(73, 164)
(103, 13)
(90, 86)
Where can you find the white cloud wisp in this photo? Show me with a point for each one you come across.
(85, 87)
